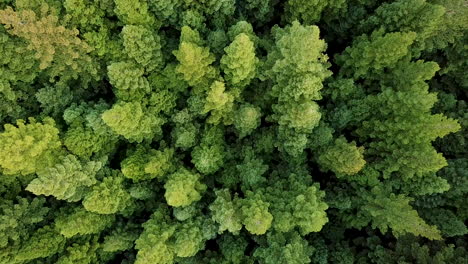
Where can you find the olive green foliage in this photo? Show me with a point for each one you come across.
(394, 211)
(239, 63)
(55, 46)
(78, 221)
(164, 239)
(142, 45)
(233, 132)
(231, 213)
(183, 188)
(342, 158)
(194, 60)
(67, 180)
(29, 147)
(132, 121)
(297, 66)
(144, 163)
(109, 196)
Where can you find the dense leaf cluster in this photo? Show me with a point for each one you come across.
(223, 131)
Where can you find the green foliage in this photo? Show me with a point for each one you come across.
(143, 46)
(68, 180)
(163, 239)
(296, 203)
(128, 81)
(218, 102)
(133, 121)
(233, 132)
(120, 239)
(225, 212)
(415, 15)
(231, 213)
(410, 250)
(394, 212)
(247, 119)
(29, 147)
(183, 188)
(371, 54)
(78, 221)
(144, 165)
(208, 155)
(342, 158)
(239, 63)
(307, 12)
(56, 47)
(18, 217)
(133, 12)
(284, 248)
(257, 219)
(44, 242)
(194, 61)
(82, 251)
(297, 66)
(109, 196)
(87, 133)
(399, 117)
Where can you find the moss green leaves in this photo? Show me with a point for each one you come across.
(164, 239)
(145, 164)
(56, 47)
(78, 221)
(233, 132)
(67, 180)
(194, 61)
(343, 158)
(183, 188)
(109, 196)
(239, 63)
(298, 67)
(231, 213)
(132, 121)
(395, 212)
(29, 147)
(374, 53)
(144, 46)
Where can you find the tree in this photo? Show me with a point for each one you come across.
(145, 164)
(69, 179)
(109, 196)
(394, 212)
(87, 134)
(134, 12)
(297, 68)
(144, 46)
(283, 248)
(231, 213)
(219, 103)
(209, 154)
(20, 216)
(133, 121)
(239, 63)
(128, 80)
(370, 55)
(342, 158)
(183, 188)
(78, 221)
(56, 47)
(247, 119)
(194, 60)
(43, 243)
(294, 202)
(164, 239)
(29, 147)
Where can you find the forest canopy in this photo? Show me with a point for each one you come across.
(233, 132)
